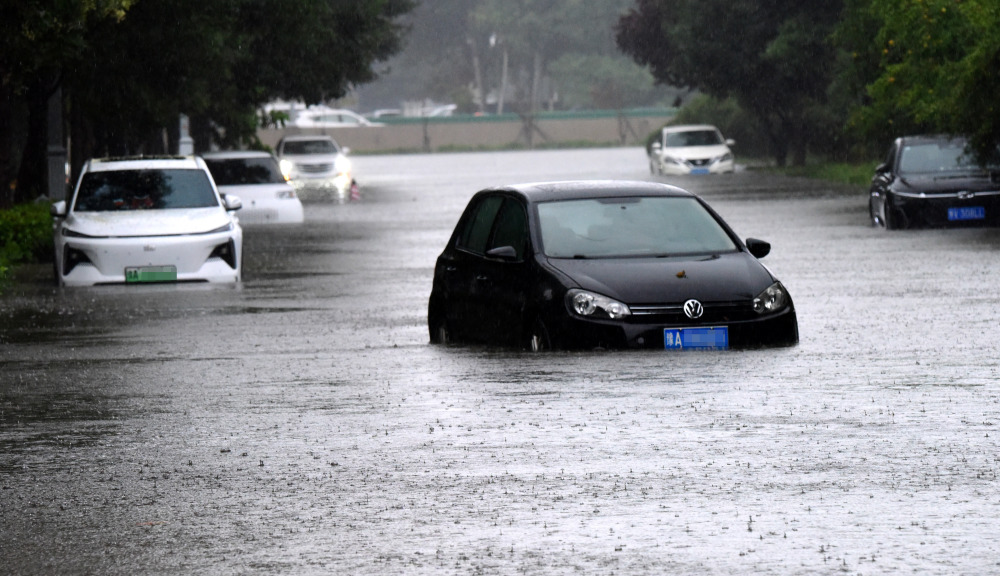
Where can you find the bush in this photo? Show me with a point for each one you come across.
(25, 236)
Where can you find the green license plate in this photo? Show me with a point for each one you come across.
(142, 274)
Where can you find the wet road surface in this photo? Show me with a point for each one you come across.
(300, 423)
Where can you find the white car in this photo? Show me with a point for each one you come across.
(323, 117)
(257, 180)
(691, 149)
(137, 220)
(315, 161)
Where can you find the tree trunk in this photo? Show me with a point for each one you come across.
(32, 177)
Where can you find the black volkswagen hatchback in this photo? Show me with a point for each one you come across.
(933, 181)
(604, 264)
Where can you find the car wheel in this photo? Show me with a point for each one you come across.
(439, 332)
(538, 337)
(876, 221)
(889, 221)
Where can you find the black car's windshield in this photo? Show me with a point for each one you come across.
(693, 138)
(238, 171)
(615, 227)
(301, 147)
(937, 157)
(145, 189)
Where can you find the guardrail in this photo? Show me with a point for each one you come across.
(492, 132)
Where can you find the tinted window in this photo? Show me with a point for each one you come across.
(232, 172)
(309, 147)
(145, 189)
(511, 228)
(476, 229)
(693, 138)
(603, 228)
(936, 157)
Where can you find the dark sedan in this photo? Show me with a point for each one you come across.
(933, 181)
(604, 265)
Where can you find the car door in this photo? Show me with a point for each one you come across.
(504, 273)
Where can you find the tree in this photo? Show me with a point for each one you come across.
(772, 56)
(927, 66)
(128, 71)
(36, 38)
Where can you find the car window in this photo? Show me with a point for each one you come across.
(511, 228)
(936, 157)
(144, 189)
(477, 227)
(297, 147)
(693, 138)
(237, 171)
(616, 227)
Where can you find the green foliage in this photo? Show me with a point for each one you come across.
(925, 66)
(25, 236)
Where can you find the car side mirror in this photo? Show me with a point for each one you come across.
(232, 203)
(656, 147)
(503, 253)
(58, 209)
(758, 248)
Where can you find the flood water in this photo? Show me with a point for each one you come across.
(300, 423)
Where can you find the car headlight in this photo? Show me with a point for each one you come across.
(672, 160)
(342, 165)
(286, 168)
(727, 157)
(74, 234)
(225, 228)
(771, 300)
(584, 303)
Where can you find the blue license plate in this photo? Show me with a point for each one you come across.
(967, 213)
(699, 170)
(711, 338)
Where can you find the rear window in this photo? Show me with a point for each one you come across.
(237, 171)
(144, 190)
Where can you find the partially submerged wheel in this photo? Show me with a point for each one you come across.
(439, 332)
(538, 337)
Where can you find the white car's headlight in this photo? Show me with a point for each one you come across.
(584, 303)
(342, 165)
(672, 160)
(773, 299)
(727, 157)
(286, 168)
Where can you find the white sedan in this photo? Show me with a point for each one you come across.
(139, 220)
(691, 149)
(255, 177)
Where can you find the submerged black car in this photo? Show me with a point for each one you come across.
(933, 181)
(604, 264)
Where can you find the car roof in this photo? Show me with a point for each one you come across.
(306, 137)
(689, 128)
(235, 154)
(584, 189)
(918, 138)
(145, 163)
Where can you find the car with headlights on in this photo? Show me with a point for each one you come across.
(604, 264)
(691, 149)
(933, 181)
(315, 161)
(254, 176)
(138, 220)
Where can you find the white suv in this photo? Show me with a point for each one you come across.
(138, 220)
(315, 161)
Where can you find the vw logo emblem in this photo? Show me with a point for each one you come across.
(693, 309)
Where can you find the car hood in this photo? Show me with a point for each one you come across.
(717, 278)
(696, 152)
(311, 158)
(946, 183)
(168, 222)
(255, 191)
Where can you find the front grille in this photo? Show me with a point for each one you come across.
(674, 313)
(315, 168)
(700, 162)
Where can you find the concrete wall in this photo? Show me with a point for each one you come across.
(435, 134)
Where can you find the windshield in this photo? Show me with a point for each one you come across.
(693, 138)
(237, 171)
(145, 189)
(937, 157)
(646, 226)
(309, 147)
